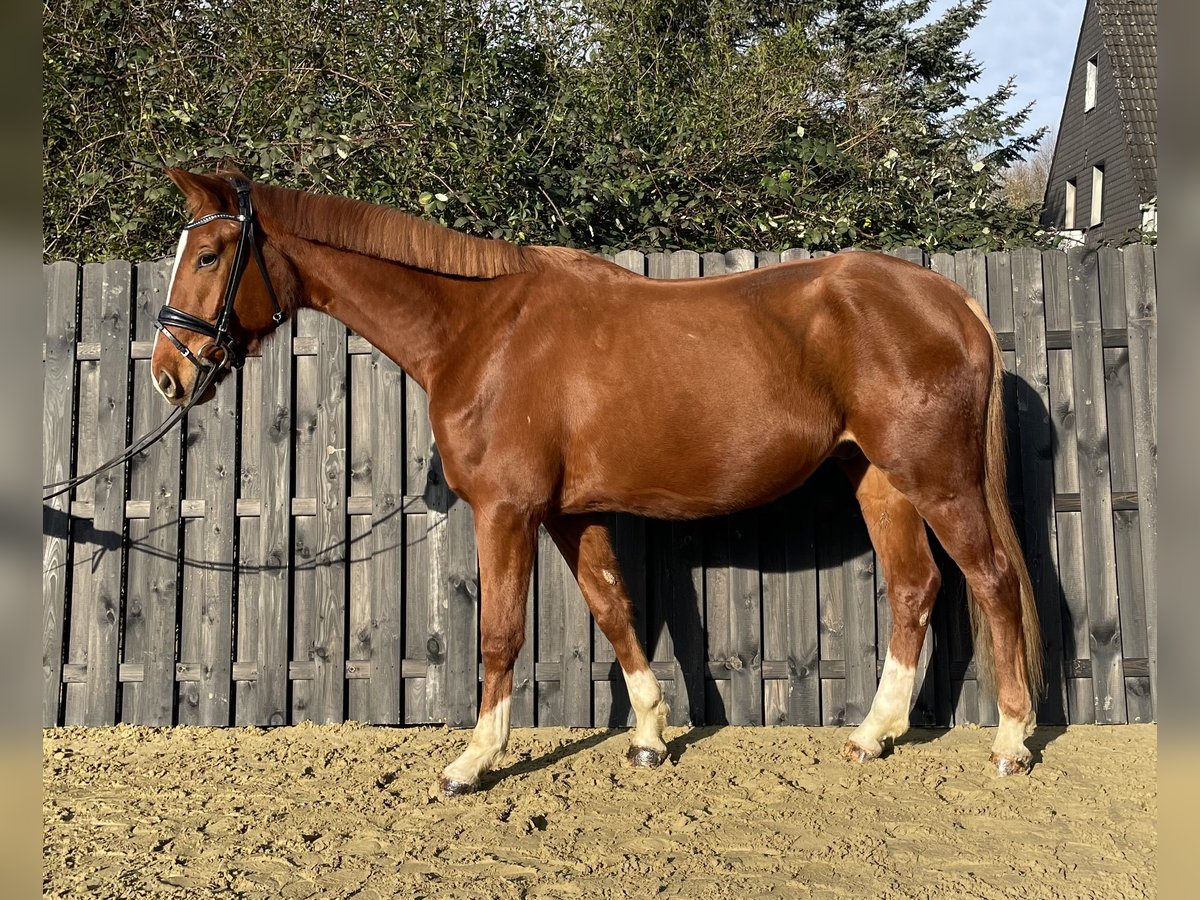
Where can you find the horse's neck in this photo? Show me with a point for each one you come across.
(413, 317)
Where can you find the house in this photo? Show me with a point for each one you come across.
(1103, 182)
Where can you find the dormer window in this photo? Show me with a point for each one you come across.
(1089, 91)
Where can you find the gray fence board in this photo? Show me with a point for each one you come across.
(384, 639)
(84, 545)
(551, 600)
(358, 557)
(1122, 462)
(274, 527)
(718, 632)
(523, 708)
(58, 405)
(424, 634)
(331, 443)
(1142, 317)
(745, 589)
(246, 639)
(1095, 488)
(1056, 285)
(152, 583)
(629, 543)
(304, 538)
(832, 623)
(804, 682)
(1036, 460)
(462, 645)
(577, 648)
(108, 284)
(858, 614)
(209, 543)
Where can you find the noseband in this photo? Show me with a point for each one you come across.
(222, 349)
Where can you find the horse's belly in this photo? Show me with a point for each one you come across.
(695, 472)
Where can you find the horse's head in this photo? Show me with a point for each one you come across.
(225, 290)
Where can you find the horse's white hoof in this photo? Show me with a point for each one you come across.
(448, 787)
(855, 752)
(1011, 765)
(645, 757)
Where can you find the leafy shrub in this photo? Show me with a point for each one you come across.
(603, 124)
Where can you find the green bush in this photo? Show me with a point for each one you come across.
(603, 124)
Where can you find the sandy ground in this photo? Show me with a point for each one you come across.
(343, 811)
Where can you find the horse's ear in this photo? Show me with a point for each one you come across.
(229, 166)
(200, 190)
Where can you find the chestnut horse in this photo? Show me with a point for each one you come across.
(562, 387)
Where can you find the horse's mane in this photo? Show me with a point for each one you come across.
(386, 233)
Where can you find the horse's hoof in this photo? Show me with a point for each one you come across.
(1010, 765)
(448, 787)
(645, 758)
(857, 753)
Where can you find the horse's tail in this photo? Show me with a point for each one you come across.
(995, 486)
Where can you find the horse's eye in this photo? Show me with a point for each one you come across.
(206, 260)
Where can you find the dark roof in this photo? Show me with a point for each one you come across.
(1131, 38)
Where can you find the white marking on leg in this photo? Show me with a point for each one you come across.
(179, 249)
(488, 742)
(1011, 734)
(888, 717)
(645, 696)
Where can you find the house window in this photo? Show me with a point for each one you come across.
(1089, 92)
(1097, 195)
(1069, 212)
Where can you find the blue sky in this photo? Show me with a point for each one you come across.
(1033, 40)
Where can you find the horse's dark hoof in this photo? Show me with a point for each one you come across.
(448, 787)
(645, 758)
(857, 753)
(1010, 765)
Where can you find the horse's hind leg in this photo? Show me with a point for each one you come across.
(898, 534)
(506, 546)
(962, 525)
(586, 545)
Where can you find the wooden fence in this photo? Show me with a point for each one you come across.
(292, 553)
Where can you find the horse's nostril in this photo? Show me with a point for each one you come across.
(168, 385)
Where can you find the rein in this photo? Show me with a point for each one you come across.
(143, 443)
(221, 351)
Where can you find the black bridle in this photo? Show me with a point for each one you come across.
(222, 345)
(222, 339)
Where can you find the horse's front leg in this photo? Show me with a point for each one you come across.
(506, 540)
(586, 545)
